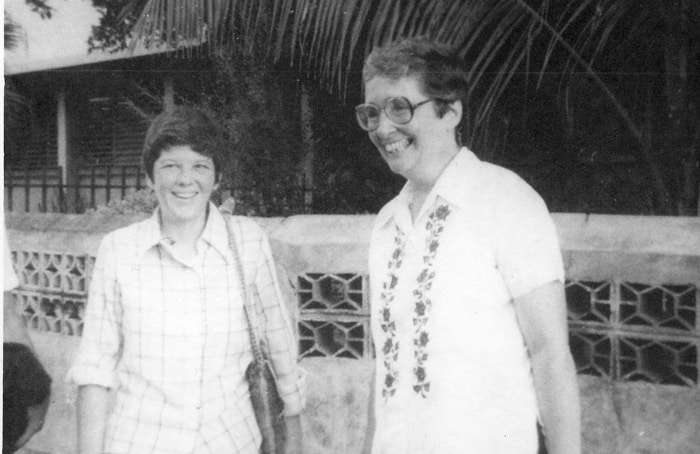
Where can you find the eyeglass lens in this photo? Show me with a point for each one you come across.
(398, 110)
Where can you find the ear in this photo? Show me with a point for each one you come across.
(217, 181)
(149, 183)
(454, 113)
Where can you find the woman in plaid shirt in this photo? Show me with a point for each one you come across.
(164, 326)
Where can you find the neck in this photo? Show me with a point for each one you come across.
(183, 232)
(424, 183)
(421, 187)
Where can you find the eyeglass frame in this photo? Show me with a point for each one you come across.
(411, 106)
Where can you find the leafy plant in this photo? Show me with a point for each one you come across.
(141, 201)
(638, 60)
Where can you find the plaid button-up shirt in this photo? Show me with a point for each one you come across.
(170, 336)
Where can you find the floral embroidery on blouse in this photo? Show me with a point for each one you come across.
(390, 349)
(423, 304)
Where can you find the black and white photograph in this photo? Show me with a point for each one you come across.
(351, 227)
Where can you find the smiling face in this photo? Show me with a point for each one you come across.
(419, 149)
(183, 181)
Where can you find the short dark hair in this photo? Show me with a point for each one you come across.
(183, 125)
(438, 66)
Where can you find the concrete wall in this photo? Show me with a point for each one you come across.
(618, 417)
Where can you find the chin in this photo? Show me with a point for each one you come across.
(397, 168)
(186, 216)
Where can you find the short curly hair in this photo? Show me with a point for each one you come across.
(438, 66)
(188, 126)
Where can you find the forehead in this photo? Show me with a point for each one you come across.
(378, 89)
(181, 153)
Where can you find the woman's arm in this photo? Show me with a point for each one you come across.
(93, 406)
(542, 318)
(94, 367)
(276, 326)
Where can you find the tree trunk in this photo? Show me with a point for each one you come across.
(306, 167)
(679, 111)
(168, 93)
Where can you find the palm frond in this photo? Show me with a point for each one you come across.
(499, 38)
(14, 34)
(16, 104)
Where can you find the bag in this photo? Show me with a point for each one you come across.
(267, 404)
(25, 383)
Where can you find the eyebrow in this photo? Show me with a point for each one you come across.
(206, 160)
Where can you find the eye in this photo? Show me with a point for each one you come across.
(366, 111)
(399, 105)
(202, 166)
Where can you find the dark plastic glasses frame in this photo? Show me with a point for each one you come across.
(362, 109)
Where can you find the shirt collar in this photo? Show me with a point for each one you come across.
(455, 181)
(215, 233)
(458, 179)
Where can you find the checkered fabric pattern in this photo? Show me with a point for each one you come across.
(169, 335)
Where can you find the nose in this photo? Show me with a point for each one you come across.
(185, 175)
(384, 123)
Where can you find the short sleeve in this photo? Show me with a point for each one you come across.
(100, 346)
(525, 238)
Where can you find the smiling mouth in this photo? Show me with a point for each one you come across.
(184, 195)
(397, 147)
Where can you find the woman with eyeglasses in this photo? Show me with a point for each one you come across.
(467, 298)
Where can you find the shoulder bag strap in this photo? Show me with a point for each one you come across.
(254, 341)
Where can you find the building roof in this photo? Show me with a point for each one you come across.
(60, 41)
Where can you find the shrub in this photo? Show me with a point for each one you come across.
(141, 201)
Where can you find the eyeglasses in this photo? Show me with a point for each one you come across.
(398, 109)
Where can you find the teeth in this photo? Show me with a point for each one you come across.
(184, 195)
(396, 147)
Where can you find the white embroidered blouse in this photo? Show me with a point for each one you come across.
(452, 371)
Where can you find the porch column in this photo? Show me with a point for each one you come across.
(65, 154)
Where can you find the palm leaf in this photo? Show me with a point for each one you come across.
(323, 37)
(14, 35)
(15, 103)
